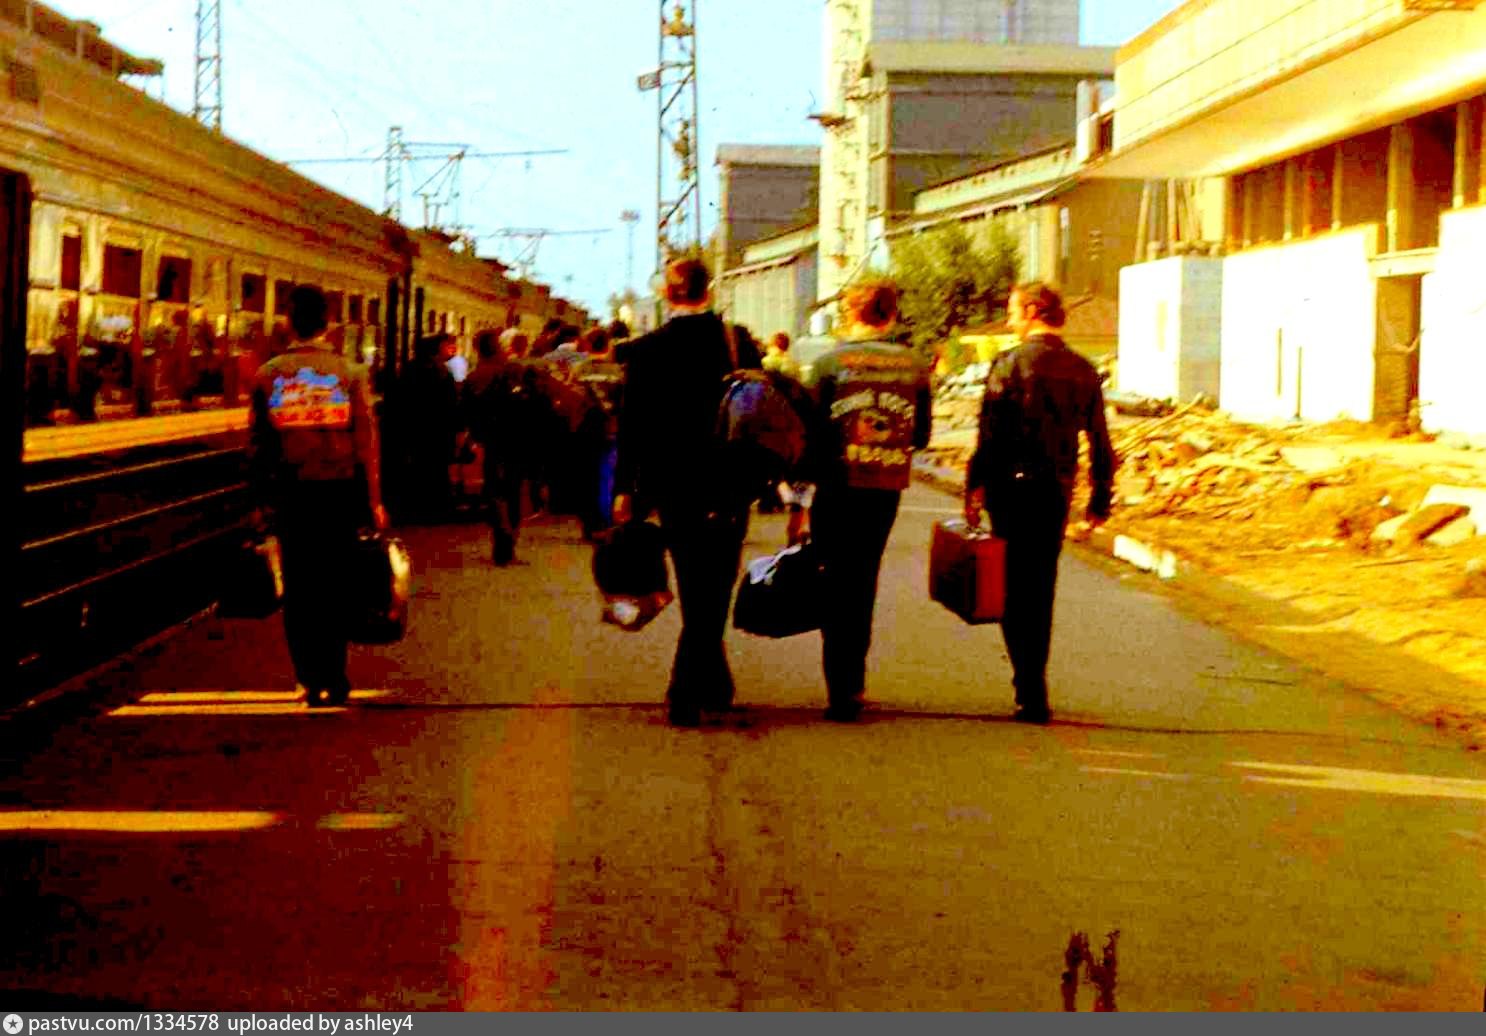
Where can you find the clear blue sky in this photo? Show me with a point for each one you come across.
(326, 78)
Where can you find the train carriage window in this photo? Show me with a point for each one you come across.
(354, 314)
(374, 311)
(72, 262)
(121, 271)
(254, 287)
(335, 306)
(174, 281)
(281, 290)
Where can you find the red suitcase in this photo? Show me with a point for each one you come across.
(967, 571)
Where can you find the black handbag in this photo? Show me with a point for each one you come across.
(254, 587)
(381, 589)
(782, 595)
(629, 569)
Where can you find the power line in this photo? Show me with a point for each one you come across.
(428, 158)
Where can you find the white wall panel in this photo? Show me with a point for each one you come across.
(1452, 361)
(1171, 328)
(1299, 329)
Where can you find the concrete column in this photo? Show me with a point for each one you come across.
(1338, 169)
(1400, 233)
(1235, 206)
(1293, 219)
(1478, 133)
(1251, 200)
(1463, 141)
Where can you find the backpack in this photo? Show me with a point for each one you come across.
(761, 430)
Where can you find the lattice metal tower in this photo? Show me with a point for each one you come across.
(395, 156)
(207, 106)
(678, 194)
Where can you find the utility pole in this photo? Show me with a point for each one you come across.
(207, 106)
(678, 195)
(395, 155)
(630, 217)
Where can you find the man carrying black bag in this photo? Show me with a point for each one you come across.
(667, 459)
(315, 465)
(873, 409)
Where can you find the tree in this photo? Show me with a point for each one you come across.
(952, 278)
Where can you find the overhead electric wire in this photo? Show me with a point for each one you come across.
(426, 158)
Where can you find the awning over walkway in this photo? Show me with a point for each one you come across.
(1419, 66)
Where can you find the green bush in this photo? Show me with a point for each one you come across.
(952, 279)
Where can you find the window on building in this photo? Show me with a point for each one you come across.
(122, 268)
(354, 312)
(72, 262)
(281, 290)
(335, 306)
(254, 292)
(374, 311)
(173, 282)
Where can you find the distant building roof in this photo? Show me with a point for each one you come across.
(989, 58)
(83, 39)
(804, 156)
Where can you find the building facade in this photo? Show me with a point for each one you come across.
(1349, 139)
(763, 191)
(859, 125)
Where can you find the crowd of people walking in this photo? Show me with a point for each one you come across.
(614, 429)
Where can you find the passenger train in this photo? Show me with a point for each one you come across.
(149, 265)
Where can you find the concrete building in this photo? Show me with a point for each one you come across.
(1068, 228)
(976, 21)
(919, 91)
(1349, 138)
(763, 191)
(773, 288)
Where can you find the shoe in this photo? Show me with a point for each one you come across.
(1038, 715)
(844, 711)
(687, 717)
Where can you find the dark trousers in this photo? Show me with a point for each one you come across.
(850, 528)
(502, 493)
(1031, 517)
(705, 551)
(317, 523)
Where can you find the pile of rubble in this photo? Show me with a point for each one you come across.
(1234, 487)
(1273, 488)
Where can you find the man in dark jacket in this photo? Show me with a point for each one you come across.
(873, 409)
(427, 410)
(1039, 397)
(491, 400)
(667, 461)
(316, 466)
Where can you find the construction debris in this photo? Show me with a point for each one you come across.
(1246, 488)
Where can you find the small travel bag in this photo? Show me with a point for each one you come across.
(967, 571)
(781, 595)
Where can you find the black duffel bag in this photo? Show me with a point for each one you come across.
(782, 595)
(381, 588)
(254, 587)
(629, 568)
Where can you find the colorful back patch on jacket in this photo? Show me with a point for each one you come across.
(309, 399)
(873, 411)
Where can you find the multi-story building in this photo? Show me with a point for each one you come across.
(920, 91)
(763, 191)
(1349, 136)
